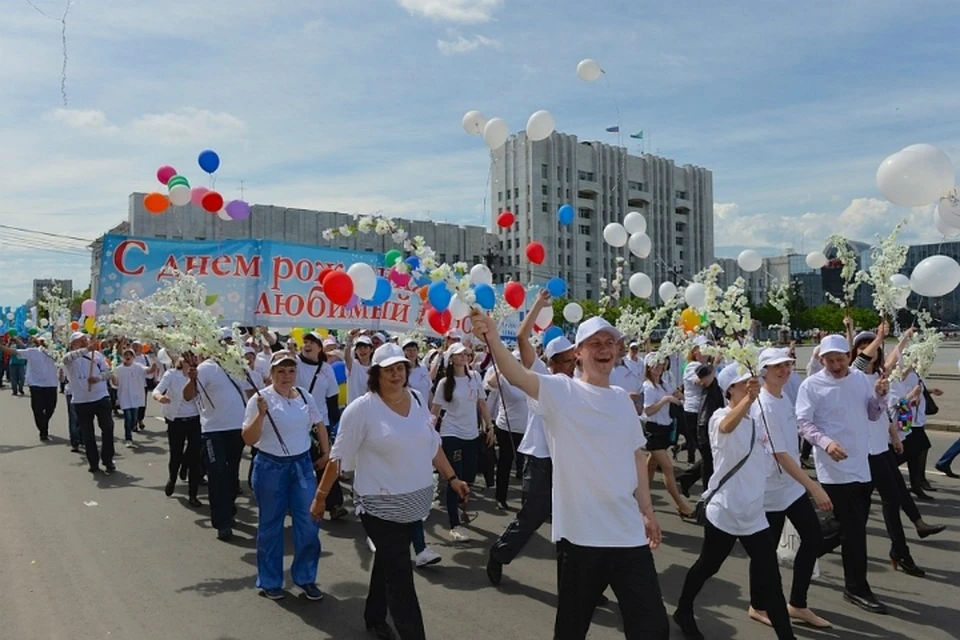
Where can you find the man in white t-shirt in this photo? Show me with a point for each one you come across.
(42, 379)
(596, 441)
(87, 372)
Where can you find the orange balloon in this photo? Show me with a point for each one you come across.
(145, 349)
(423, 293)
(74, 326)
(689, 320)
(156, 203)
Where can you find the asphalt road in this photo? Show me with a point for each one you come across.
(112, 557)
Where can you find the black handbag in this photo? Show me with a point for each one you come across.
(931, 404)
(700, 510)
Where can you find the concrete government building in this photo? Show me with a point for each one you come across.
(603, 183)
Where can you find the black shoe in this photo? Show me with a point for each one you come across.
(929, 530)
(502, 505)
(169, 487)
(94, 469)
(494, 571)
(225, 534)
(110, 468)
(907, 565)
(382, 630)
(44, 438)
(927, 486)
(945, 470)
(684, 488)
(74, 448)
(194, 501)
(687, 624)
(868, 602)
(338, 512)
(921, 495)
(183, 473)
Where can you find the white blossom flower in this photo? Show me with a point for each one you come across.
(329, 234)
(346, 231)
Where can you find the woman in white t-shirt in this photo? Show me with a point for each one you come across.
(460, 397)
(419, 379)
(278, 421)
(356, 356)
(511, 421)
(130, 379)
(183, 428)
(734, 508)
(693, 390)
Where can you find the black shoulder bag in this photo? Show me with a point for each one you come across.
(700, 512)
(932, 408)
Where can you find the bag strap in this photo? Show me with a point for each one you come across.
(729, 474)
(316, 373)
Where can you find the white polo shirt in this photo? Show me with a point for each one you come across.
(221, 398)
(171, 385)
(294, 417)
(41, 368)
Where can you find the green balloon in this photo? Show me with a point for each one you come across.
(703, 318)
(392, 257)
(175, 180)
(33, 331)
(12, 332)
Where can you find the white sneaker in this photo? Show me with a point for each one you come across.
(427, 557)
(371, 546)
(458, 536)
(128, 444)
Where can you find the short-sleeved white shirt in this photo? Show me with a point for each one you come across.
(460, 419)
(419, 381)
(692, 392)
(515, 402)
(652, 394)
(221, 398)
(294, 417)
(317, 379)
(172, 385)
(41, 368)
(356, 380)
(627, 377)
(534, 441)
(130, 384)
(782, 490)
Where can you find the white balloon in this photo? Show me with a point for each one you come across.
(641, 285)
(634, 222)
(223, 215)
(589, 70)
(667, 291)
(943, 228)
(900, 281)
(364, 280)
(948, 210)
(573, 312)
(540, 125)
(902, 297)
(640, 245)
(615, 235)
(179, 195)
(935, 276)
(458, 308)
(10, 316)
(695, 294)
(816, 260)
(28, 324)
(495, 133)
(917, 175)
(164, 358)
(545, 317)
(481, 274)
(749, 260)
(44, 322)
(473, 122)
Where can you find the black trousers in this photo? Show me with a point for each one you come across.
(222, 451)
(764, 571)
(585, 572)
(507, 443)
(915, 447)
(391, 581)
(537, 507)
(803, 517)
(43, 402)
(142, 411)
(688, 428)
(183, 437)
(851, 502)
(103, 412)
(702, 469)
(888, 481)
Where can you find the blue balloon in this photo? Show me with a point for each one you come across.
(565, 214)
(486, 296)
(382, 293)
(551, 334)
(209, 161)
(413, 262)
(340, 371)
(557, 287)
(439, 296)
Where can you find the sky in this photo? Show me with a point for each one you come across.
(356, 106)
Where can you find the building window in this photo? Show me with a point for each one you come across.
(679, 241)
(681, 255)
(569, 260)
(559, 174)
(589, 294)
(509, 244)
(499, 196)
(516, 192)
(568, 194)
(509, 261)
(568, 174)
(636, 186)
(559, 192)
(589, 278)
(584, 213)
(543, 207)
(443, 258)
(589, 262)
(543, 190)
(516, 225)
(587, 245)
(501, 245)
(456, 257)
(585, 229)
(587, 175)
(679, 227)
(544, 169)
(528, 189)
(682, 195)
(569, 243)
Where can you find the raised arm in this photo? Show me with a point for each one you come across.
(742, 409)
(527, 353)
(510, 368)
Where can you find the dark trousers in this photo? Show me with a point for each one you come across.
(585, 572)
(183, 437)
(702, 469)
(18, 374)
(43, 402)
(102, 411)
(462, 455)
(915, 447)
(851, 502)
(764, 572)
(889, 483)
(391, 581)
(222, 451)
(688, 428)
(484, 461)
(536, 508)
(142, 411)
(804, 518)
(507, 443)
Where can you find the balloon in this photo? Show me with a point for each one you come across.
(949, 209)
(164, 358)
(640, 245)
(364, 279)
(667, 291)
(486, 296)
(557, 287)
(196, 195)
(945, 216)
(89, 308)
(340, 372)
(238, 209)
(209, 161)
(74, 326)
(689, 320)
(297, 335)
(634, 222)
(10, 316)
(551, 334)
(935, 276)
(180, 195)
(536, 253)
(44, 322)
(695, 294)
(212, 202)
(338, 287)
(90, 325)
(573, 312)
(223, 215)
(816, 260)
(589, 70)
(481, 274)
(641, 285)
(495, 133)
(544, 318)
(413, 262)
(458, 308)
(514, 294)
(422, 292)
(392, 257)
(749, 260)
(439, 320)
(506, 219)
(540, 125)
(473, 122)
(903, 296)
(178, 179)
(11, 332)
(28, 323)
(165, 172)
(352, 303)
(381, 294)
(155, 203)
(399, 279)
(439, 295)
(615, 235)
(565, 214)
(900, 281)
(917, 175)
(33, 331)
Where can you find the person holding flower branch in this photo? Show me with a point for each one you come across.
(87, 372)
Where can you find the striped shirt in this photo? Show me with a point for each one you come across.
(400, 507)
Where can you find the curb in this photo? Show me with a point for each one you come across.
(943, 425)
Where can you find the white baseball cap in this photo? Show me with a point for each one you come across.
(249, 351)
(701, 341)
(834, 344)
(409, 340)
(593, 326)
(77, 335)
(730, 375)
(771, 356)
(380, 336)
(226, 333)
(652, 359)
(387, 355)
(364, 340)
(557, 346)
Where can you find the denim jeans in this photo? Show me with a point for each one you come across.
(462, 455)
(73, 426)
(18, 375)
(417, 536)
(129, 423)
(949, 454)
(283, 484)
(222, 451)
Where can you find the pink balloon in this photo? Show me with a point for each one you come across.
(89, 308)
(196, 195)
(165, 172)
(399, 279)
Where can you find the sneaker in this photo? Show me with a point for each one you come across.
(194, 501)
(225, 534)
(110, 468)
(312, 592)
(458, 536)
(274, 594)
(128, 444)
(371, 546)
(427, 557)
(169, 487)
(74, 448)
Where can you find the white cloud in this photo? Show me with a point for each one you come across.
(89, 120)
(462, 11)
(465, 45)
(189, 124)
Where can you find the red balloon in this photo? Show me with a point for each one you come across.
(514, 294)
(440, 321)
(536, 253)
(506, 219)
(212, 202)
(338, 287)
(324, 273)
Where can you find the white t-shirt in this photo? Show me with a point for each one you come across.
(131, 380)
(782, 489)
(737, 508)
(294, 418)
(515, 402)
(262, 364)
(419, 381)
(626, 377)
(879, 440)
(652, 394)
(460, 419)
(356, 380)
(792, 387)
(534, 441)
(692, 392)
(171, 385)
(41, 368)
(76, 366)
(838, 408)
(594, 433)
(318, 380)
(221, 398)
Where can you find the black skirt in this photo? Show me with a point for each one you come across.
(659, 436)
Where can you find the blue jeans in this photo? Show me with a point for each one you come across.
(284, 484)
(462, 455)
(129, 422)
(949, 454)
(73, 427)
(18, 375)
(417, 536)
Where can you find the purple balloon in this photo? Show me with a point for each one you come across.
(352, 303)
(238, 209)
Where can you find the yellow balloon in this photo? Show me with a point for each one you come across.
(343, 395)
(689, 320)
(323, 332)
(90, 324)
(297, 335)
